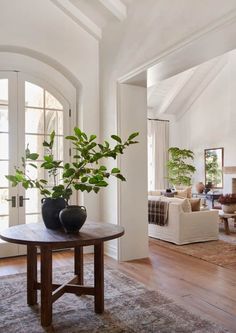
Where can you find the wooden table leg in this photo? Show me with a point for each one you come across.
(79, 264)
(46, 286)
(31, 274)
(99, 277)
(226, 223)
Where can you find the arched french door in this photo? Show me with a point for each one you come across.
(29, 111)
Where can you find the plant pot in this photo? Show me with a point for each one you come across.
(229, 209)
(200, 187)
(50, 212)
(72, 218)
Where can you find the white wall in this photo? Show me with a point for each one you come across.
(40, 29)
(151, 29)
(211, 121)
(133, 203)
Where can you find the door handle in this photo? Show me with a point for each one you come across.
(13, 201)
(21, 200)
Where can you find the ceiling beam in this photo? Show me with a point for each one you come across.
(79, 17)
(116, 7)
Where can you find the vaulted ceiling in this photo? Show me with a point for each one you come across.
(174, 96)
(94, 15)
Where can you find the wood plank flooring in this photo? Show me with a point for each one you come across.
(201, 287)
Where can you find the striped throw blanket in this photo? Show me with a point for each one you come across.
(158, 212)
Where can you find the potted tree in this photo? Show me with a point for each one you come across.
(179, 171)
(83, 173)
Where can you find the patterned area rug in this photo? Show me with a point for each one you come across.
(129, 308)
(221, 252)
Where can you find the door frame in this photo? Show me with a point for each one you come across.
(16, 100)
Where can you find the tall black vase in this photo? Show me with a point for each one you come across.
(50, 212)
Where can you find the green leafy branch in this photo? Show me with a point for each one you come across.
(84, 173)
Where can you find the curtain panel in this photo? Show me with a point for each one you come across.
(158, 144)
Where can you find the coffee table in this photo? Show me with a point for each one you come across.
(38, 236)
(224, 217)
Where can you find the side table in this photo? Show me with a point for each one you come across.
(224, 217)
(37, 235)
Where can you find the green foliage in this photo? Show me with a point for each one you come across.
(84, 173)
(179, 171)
(213, 170)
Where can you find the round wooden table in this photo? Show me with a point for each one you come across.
(37, 235)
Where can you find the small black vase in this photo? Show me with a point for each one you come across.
(50, 212)
(72, 218)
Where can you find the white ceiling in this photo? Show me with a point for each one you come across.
(94, 15)
(175, 95)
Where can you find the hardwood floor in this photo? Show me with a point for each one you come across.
(201, 287)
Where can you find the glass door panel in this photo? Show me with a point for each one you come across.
(28, 114)
(4, 155)
(43, 114)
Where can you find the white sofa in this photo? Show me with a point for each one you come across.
(186, 227)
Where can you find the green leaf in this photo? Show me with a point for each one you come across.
(33, 156)
(47, 165)
(67, 165)
(102, 183)
(46, 144)
(96, 157)
(68, 173)
(84, 179)
(52, 136)
(92, 137)
(45, 192)
(71, 137)
(89, 188)
(102, 168)
(93, 180)
(11, 178)
(84, 135)
(119, 176)
(78, 132)
(117, 138)
(91, 146)
(96, 189)
(48, 158)
(43, 181)
(26, 184)
(80, 187)
(33, 165)
(115, 170)
(133, 135)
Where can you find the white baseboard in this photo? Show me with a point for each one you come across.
(111, 250)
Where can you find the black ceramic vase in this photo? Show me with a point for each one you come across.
(72, 218)
(50, 212)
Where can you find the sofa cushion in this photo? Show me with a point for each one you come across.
(185, 193)
(195, 204)
(183, 202)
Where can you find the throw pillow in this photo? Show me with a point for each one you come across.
(186, 206)
(185, 193)
(195, 204)
(182, 193)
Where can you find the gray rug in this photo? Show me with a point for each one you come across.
(129, 307)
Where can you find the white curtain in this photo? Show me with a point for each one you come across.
(158, 144)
